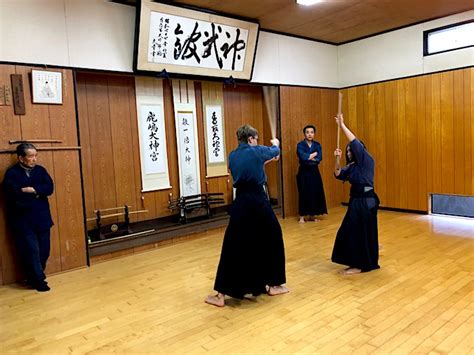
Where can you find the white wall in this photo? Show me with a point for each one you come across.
(289, 60)
(398, 54)
(94, 34)
(98, 34)
(33, 32)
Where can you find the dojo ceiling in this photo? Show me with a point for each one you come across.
(333, 21)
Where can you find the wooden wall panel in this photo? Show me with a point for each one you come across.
(101, 145)
(86, 151)
(328, 142)
(468, 130)
(412, 160)
(69, 218)
(458, 126)
(56, 122)
(381, 143)
(429, 124)
(421, 145)
(422, 141)
(299, 107)
(122, 155)
(436, 133)
(200, 132)
(447, 141)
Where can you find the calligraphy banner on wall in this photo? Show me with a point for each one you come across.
(193, 42)
(152, 134)
(213, 113)
(187, 137)
(214, 135)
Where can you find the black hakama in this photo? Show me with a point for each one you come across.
(312, 200)
(253, 253)
(356, 242)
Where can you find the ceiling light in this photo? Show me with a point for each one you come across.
(307, 2)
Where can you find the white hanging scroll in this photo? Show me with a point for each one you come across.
(215, 135)
(153, 139)
(214, 128)
(193, 42)
(187, 137)
(152, 134)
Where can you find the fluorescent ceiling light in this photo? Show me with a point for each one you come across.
(307, 2)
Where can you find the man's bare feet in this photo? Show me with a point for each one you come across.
(313, 219)
(277, 290)
(350, 271)
(217, 300)
(301, 221)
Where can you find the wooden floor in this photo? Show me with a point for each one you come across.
(420, 301)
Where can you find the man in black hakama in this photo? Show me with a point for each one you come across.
(253, 256)
(311, 198)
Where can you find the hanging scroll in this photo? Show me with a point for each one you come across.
(213, 107)
(152, 134)
(187, 138)
(193, 42)
(215, 135)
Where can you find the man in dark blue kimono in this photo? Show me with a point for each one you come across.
(311, 198)
(27, 187)
(253, 256)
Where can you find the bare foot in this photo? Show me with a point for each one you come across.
(301, 221)
(350, 271)
(217, 300)
(277, 290)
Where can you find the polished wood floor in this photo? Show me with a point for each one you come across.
(420, 301)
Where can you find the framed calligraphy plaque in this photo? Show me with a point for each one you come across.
(186, 41)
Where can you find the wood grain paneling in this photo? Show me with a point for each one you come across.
(69, 216)
(121, 126)
(458, 126)
(56, 122)
(421, 146)
(468, 130)
(422, 142)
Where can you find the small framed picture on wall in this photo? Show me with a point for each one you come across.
(47, 87)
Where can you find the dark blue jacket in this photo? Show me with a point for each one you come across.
(360, 172)
(28, 210)
(246, 163)
(303, 150)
